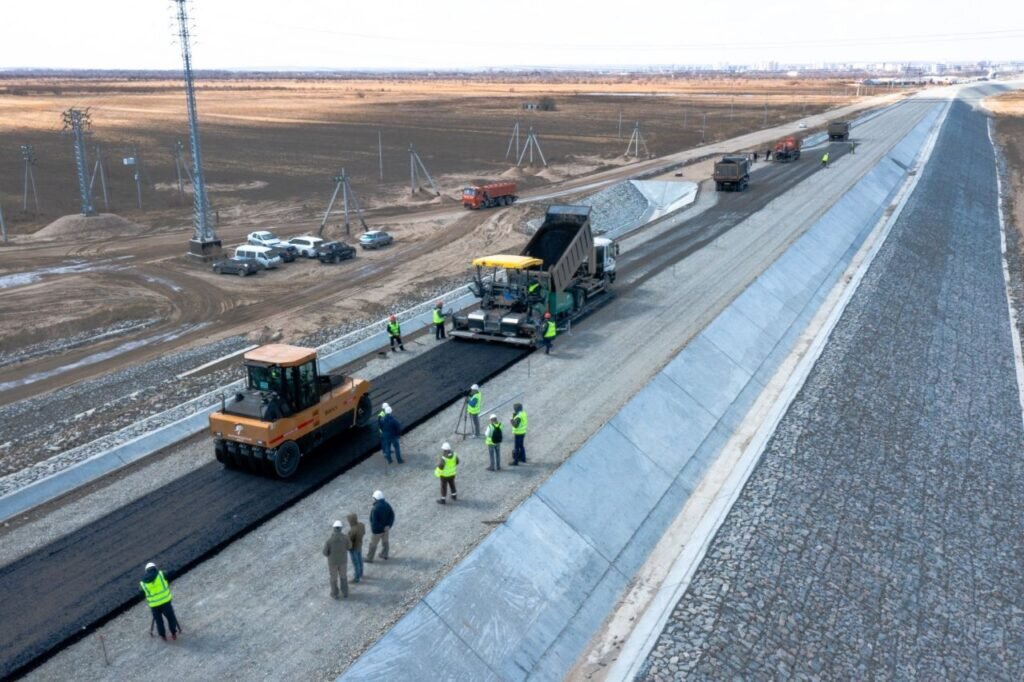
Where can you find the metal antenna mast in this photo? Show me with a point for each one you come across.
(204, 242)
(513, 140)
(77, 120)
(98, 168)
(28, 155)
(342, 185)
(636, 140)
(415, 168)
(531, 144)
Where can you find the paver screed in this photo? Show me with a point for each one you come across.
(880, 534)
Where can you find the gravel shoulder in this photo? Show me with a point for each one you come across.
(878, 537)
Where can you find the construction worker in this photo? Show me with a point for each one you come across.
(475, 403)
(493, 442)
(336, 550)
(550, 332)
(395, 333)
(356, 532)
(853, 147)
(382, 517)
(767, 154)
(158, 598)
(389, 429)
(519, 422)
(824, 160)
(446, 469)
(439, 320)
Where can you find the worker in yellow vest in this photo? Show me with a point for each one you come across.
(475, 403)
(550, 332)
(438, 319)
(158, 597)
(824, 160)
(447, 467)
(493, 443)
(395, 333)
(519, 423)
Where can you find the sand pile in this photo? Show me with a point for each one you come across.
(97, 226)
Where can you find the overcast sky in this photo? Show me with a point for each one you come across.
(355, 34)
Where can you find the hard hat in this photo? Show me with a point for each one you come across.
(547, 316)
(378, 495)
(446, 446)
(391, 317)
(494, 416)
(439, 304)
(474, 387)
(386, 408)
(337, 524)
(150, 565)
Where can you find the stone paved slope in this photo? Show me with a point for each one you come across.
(880, 535)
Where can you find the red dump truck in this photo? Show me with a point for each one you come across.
(787, 149)
(493, 194)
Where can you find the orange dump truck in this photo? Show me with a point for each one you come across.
(493, 194)
(787, 149)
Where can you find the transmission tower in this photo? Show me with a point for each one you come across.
(531, 144)
(415, 168)
(513, 140)
(98, 169)
(636, 141)
(77, 122)
(28, 155)
(204, 242)
(342, 185)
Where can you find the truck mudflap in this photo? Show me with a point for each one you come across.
(499, 338)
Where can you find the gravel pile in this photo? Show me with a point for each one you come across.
(616, 207)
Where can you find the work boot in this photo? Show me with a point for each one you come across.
(163, 637)
(174, 635)
(454, 497)
(440, 500)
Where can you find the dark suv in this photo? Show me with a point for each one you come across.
(233, 266)
(334, 252)
(287, 252)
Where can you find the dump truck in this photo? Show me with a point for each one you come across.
(787, 149)
(732, 174)
(838, 130)
(286, 410)
(486, 196)
(564, 270)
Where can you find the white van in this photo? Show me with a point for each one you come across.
(259, 255)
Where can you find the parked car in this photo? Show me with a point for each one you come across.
(233, 266)
(260, 256)
(306, 245)
(375, 239)
(263, 238)
(286, 252)
(334, 252)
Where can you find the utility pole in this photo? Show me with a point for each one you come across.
(415, 167)
(342, 185)
(136, 166)
(77, 121)
(3, 225)
(531, 143)
(28, 155)
(635, 142)
(514, 139)
(620, 124)
(180, 166)
(99, 168)
(704, 128)
(380, 153)
(204, 242)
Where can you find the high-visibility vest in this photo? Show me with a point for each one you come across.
(438, 316)
(533, 287)
(394, 328)
(474, 408)
(490, 432)
(551, 331)
(521, 429)
(825, 157)
(380, 421)
(451, 465)
(157, 592)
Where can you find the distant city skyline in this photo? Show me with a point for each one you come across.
(401, 34)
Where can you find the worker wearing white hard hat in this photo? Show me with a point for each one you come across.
(493, 442)
(390, 430)
(446, 469)
(474, 404)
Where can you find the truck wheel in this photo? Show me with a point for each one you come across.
(363, 411)
(286, 459)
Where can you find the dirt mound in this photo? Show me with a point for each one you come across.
(513, 172)
(102, 225)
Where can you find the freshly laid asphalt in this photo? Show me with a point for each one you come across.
(880, 535)
(191, 518)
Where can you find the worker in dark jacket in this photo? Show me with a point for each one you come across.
(158, 597)
(390, 430)
(519, 424)
(395, 333)
(382, 518)
(336, 550)
(356, 532)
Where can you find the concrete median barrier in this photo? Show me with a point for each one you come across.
(527, 599)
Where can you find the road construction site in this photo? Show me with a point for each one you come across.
(675, 278)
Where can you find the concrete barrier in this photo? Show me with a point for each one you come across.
(524, 603)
